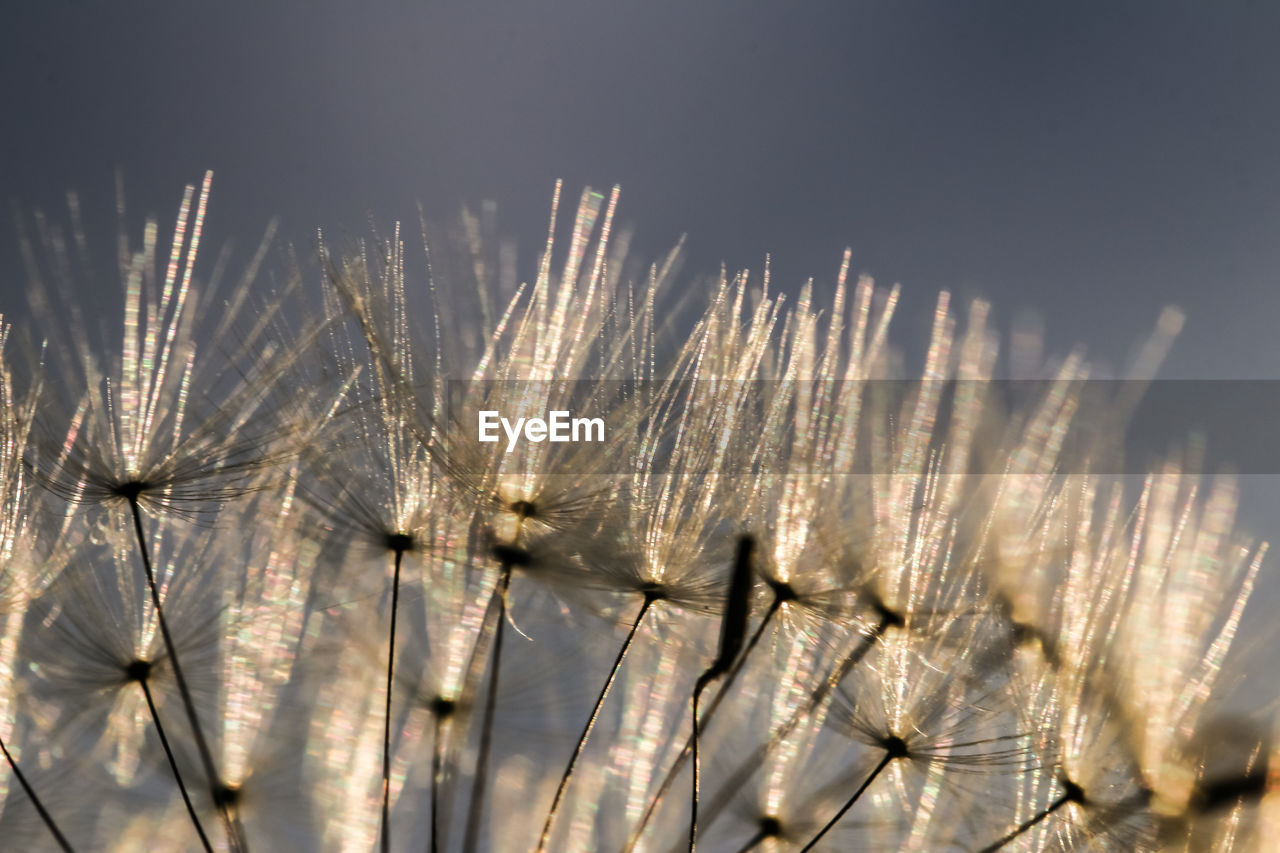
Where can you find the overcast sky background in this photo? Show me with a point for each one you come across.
(1088, 162)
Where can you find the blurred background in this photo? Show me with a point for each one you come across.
(1081, 163)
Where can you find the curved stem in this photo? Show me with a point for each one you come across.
(677, 765)
(733, 630)
(476, 810)
(703, 681)
(386, 725)
(35, 801)
(591, 722)
(866, 783)
(739, 664)
(738, 778)
(234, 836)
(173, 764)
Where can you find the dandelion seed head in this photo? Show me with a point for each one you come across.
(912, 622)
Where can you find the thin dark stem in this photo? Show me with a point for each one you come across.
(1027, 824)
(738, 778)
(234, 836)
(386, 725)
(703, 681)
(35, 801)
(476, 810)
(733, 631)
(476, 665)
(437, 769)
(678, 764)
(173, 764)
(739, 664)
(866, 783)
(591, 722)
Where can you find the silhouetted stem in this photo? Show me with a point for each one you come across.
(476, 665)
(386, 725)
(206, 757)
(733, 630)
(437, 770)
(591, 722)
(686, 751)
(35, 801)
(739, 664)
(173, 764)
(475, 813)
(1027, 824)
(744, 770)
(862, 789)
(703, 681)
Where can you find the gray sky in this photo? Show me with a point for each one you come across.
(1088, 161)
(1091, 161)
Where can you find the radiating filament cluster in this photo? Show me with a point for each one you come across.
(262, 588)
